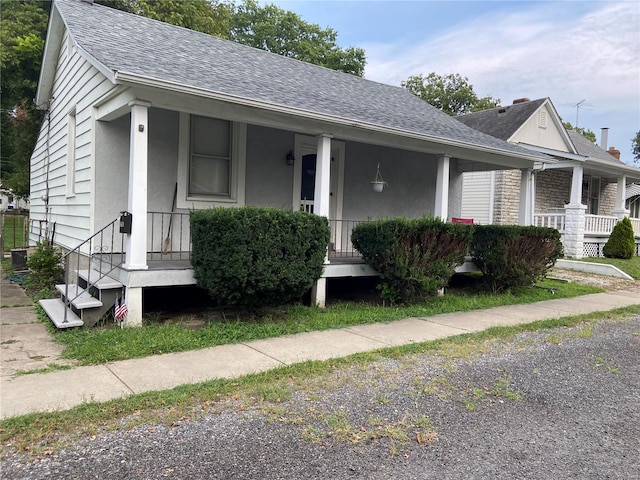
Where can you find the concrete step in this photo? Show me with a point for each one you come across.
(104, 283)
(78, 296)
(55, 310)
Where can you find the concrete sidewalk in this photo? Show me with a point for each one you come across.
(64, 389)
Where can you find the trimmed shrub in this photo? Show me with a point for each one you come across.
(621, 243)
(514, 256)
(415, 258)
(256, 257)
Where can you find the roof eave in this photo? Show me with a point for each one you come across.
(134, 79)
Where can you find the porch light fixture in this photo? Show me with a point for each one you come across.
(290, 158)
(378, 183)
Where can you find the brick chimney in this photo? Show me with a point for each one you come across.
(614, 152)
(520, 100)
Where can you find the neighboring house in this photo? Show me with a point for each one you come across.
(8, 201)
(154, 120)
(583, 194)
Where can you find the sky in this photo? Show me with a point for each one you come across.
(584, 53)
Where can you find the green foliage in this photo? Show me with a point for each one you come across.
(585, 132)
(514, 256)
(45, 265)
(22, 29)
(450, 93)
(635, 147)
(621, 243)
(205, 16)
(254, 256)
(275, 30)
(415, 258)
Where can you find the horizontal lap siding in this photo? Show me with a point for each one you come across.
(476, 196)
(77, 85)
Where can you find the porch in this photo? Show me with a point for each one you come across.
(596, 232)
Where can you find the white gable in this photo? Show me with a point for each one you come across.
(544, 129)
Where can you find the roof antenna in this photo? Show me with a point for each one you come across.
(577, 105)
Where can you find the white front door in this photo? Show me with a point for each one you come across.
(305, 174)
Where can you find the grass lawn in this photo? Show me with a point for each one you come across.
(631, 266)
(14, 231)
(206, 327)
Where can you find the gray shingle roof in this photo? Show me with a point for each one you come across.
(590, 149)
(502, 122)
(122, 42)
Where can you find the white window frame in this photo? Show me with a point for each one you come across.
(71, 154)
(238, 145)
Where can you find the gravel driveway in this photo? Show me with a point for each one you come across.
(552, 404)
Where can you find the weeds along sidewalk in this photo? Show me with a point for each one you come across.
(65, 389)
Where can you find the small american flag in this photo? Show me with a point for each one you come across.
(120, 310)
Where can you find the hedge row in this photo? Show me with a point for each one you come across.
(415, 258)
(255, 256)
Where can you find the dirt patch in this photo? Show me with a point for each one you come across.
(605, 282)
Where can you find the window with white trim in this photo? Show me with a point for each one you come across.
(210, 157)
(211, 166)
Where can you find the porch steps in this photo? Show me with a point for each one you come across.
(54, 308)
(89, 300)
(79, 297)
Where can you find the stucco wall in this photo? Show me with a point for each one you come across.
(112, 164)
(410, 177)
(269, 179)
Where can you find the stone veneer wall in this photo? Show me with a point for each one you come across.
(507, 197)
(553, 189)
(607, 197)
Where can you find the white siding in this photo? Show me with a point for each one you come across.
(77, 85)
(541, 130)
(477, 196)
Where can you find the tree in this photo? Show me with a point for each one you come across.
(283, 32)
(586, 133)
(635, 147)
(22, 31)
(204, 16)
(450, 93)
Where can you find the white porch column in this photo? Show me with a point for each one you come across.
(525, 212)
(136, 242)
(322, 192)
(321, 203)
(441, 207)
(621, 193)
(575, 218)
(576, 185)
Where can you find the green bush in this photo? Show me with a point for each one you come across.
(415, 258)
(621, 243)
(256, 257)
(45, 267)
(514, 256)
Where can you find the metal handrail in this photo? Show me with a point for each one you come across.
(97, 240)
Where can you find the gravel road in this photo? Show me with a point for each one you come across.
(552, 404)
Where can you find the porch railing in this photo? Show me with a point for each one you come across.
(599, 224)
(340, 245)
(550, 220)
(168, 236)
(594, 224)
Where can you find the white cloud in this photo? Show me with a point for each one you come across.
(549, 49)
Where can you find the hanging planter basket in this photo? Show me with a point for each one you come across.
(378, 183)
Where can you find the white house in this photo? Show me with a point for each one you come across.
(154, 120)
(583, 194)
